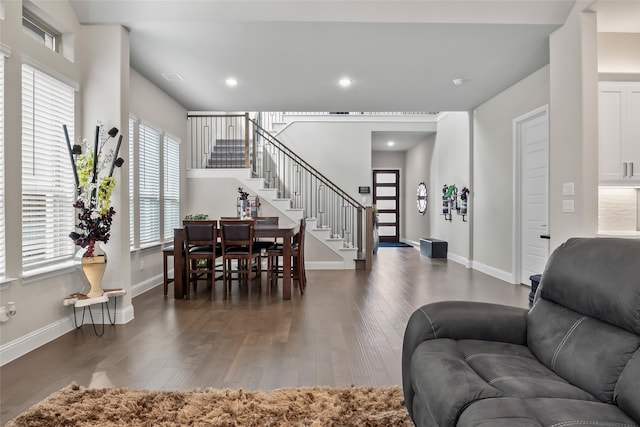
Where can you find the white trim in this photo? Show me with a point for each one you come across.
(517, 183)
(5, 50)
(33, 340)
(459, 259)
(147, 285)
(494, 272)
(26, 343)
(122, 316)
(26, 59)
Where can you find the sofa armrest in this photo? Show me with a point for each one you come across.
(460, 320)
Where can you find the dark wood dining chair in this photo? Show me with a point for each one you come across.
(201, 243)
(167, 252)
(275, 252)
(237, 239)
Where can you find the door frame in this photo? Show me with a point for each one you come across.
(517, 185)
(395, 171)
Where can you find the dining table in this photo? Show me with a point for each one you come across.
(284, 231)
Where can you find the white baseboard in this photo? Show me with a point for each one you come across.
(459, 259)
(31, 341)
(26, 343)
(142, 287)
(495, 272)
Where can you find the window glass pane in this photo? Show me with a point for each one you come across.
(386, 191)
(149, 183)
(171, 186)
(385, 178)
(386, 204)
(386, 231)
(47, 176)
(386, 217)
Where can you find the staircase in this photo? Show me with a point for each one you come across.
(283, 180)
(227, 153)
(346, 256)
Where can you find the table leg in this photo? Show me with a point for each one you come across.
(286, 267)
(178, 263)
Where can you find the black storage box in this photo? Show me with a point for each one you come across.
(433, 248)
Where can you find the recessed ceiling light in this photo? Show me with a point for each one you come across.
(344, 82)
(458, 82)
(391, 143)
(173, 77)
(231, 82)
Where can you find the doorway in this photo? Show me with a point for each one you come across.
(386, 197)
(531, 137)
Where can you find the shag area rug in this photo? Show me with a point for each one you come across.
(313, 406)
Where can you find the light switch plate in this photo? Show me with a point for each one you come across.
(568, 189)
(567, 205)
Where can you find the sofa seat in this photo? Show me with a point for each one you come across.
(573, 359)
(542, 411)
(471, 370)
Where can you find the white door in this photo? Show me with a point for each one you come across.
(532, 132)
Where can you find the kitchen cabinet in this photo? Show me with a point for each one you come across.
(619, 133)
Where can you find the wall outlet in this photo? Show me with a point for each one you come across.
(141, 265)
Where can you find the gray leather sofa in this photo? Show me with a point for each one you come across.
(573, 359)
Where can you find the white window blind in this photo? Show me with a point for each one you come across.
(2, 222)
(171, 190)
(47, 176)
(149, 183)
(132, 194)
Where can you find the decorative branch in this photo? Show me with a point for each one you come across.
(71, 153)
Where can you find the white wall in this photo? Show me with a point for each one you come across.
(619, 54)
(99, 66)
(450, 164)
(573, 129)
(149, 104)
(418, 161)
(493, 171)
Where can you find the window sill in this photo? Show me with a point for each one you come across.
(39, 274)
(5, 282)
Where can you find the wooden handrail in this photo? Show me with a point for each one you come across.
(264, 133)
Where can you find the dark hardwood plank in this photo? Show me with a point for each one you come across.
(346, 329)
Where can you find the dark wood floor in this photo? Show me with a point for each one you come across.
(346, 329)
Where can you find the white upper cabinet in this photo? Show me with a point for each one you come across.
(619, 132)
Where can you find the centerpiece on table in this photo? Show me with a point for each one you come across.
(93, 201)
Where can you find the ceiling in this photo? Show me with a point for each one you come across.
(288, 55)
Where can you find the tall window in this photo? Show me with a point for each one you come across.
(2, 246)
(171, 190)
(149, 183)
(47, 176)
(154, 184)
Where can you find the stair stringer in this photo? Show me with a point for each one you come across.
(322, 235)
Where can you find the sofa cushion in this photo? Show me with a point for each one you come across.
(582, 273)
(584, 351)
(515, 412)
(627, 392)
(448, 375)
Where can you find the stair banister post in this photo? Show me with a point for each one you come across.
(359, 230)
(246, 140)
